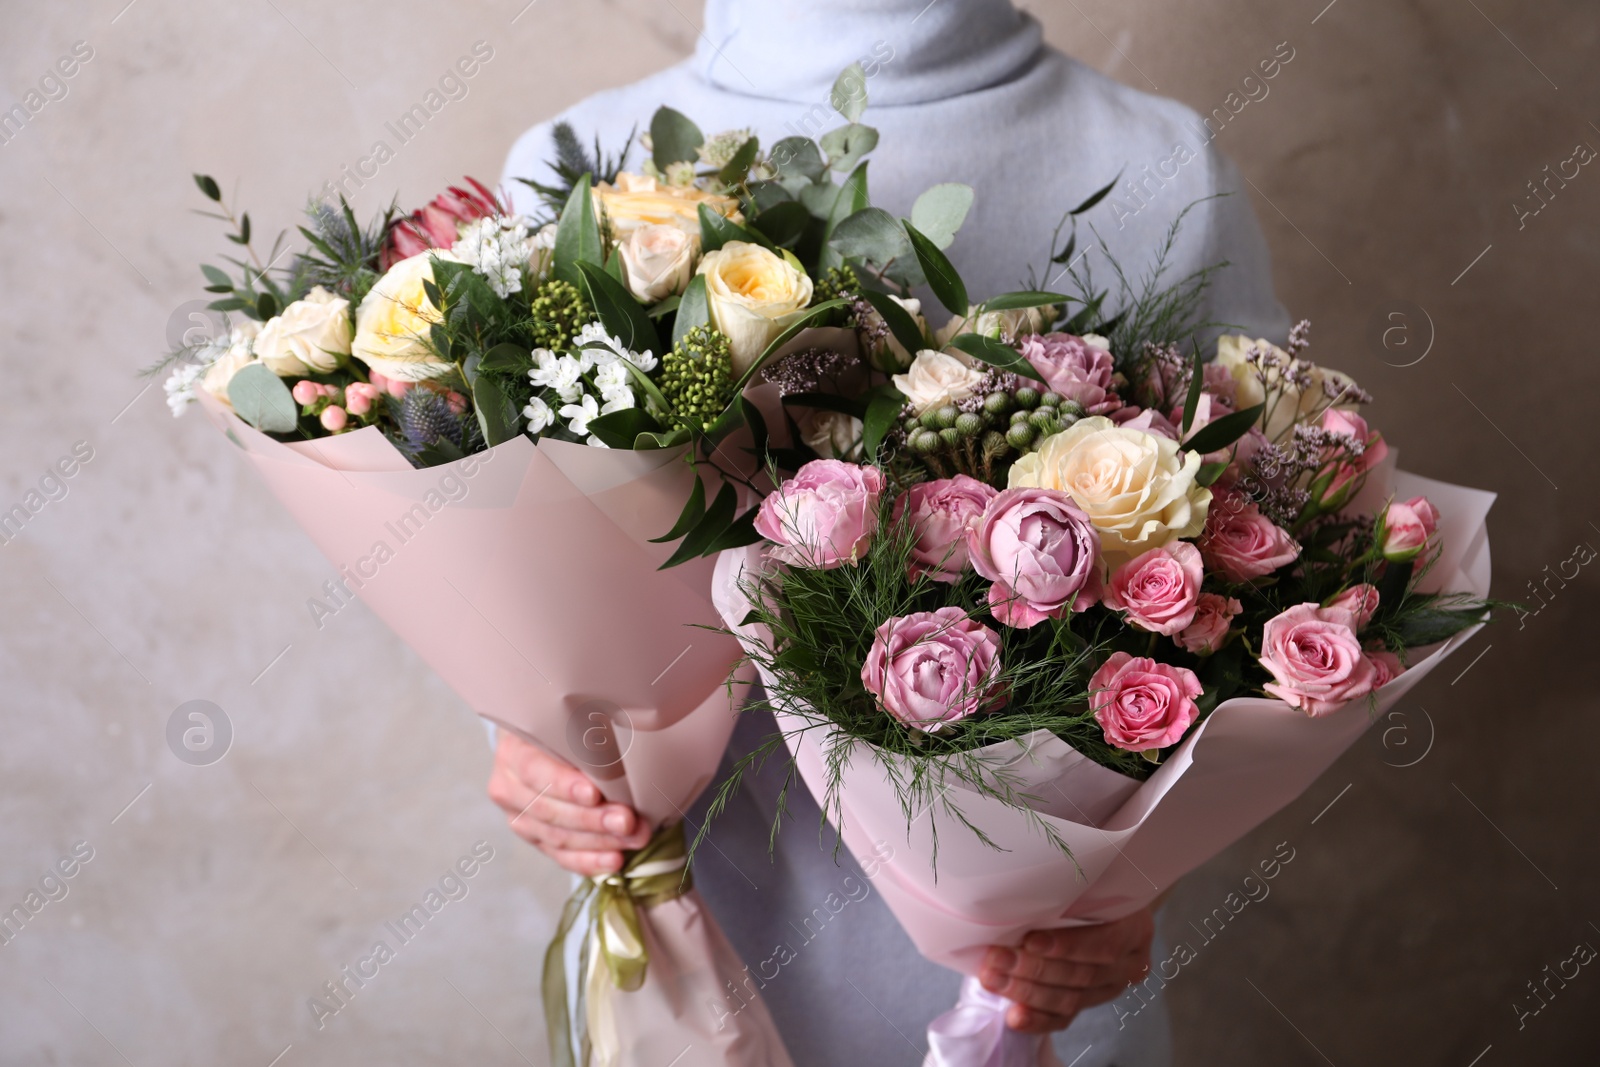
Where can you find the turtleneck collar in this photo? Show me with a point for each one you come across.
(913, 51)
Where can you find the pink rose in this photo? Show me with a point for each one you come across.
(823, 517)
(1213, 617)
(1074, 368)
(1147, 419)
(934, 667)
(1407, 527)
(1159, 589)
(1332, 488)
(1359, 600)
(1313, 654)
(1242, 543)
(438, 224)
(1040, 551)
(1142, 704)
(1386, 667)
(942, 513)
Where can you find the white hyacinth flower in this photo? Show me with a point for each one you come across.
(580, 414)
(180, 386)
(619, 399)
(539, 416)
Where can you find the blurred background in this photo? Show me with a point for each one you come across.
(1441, 870)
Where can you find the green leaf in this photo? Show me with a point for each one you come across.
(244, 228)
(208, 186)
(577, 235)
(1430, 625)
(1024, 299)
(231, 303)
(849, 95)
(799, 157)
(217, 277)
(758, 426)
(996, 354)
(883, 410)
(693, 310)
(873, 237)
(1065, 255)
(940, 211)
(266, 306)
(845, 145)
(674, 138)
(693, 510)
(711, 526)
(666, 306)
(783, 224)
(497, 418)
(621, 315)
(942, 277)
(1210, 472)
(738, 168)
(716, 231)
(1220, 433)
(652, 392)
(621, 429)
(507, 359)
(820, 200)
(1097, 196)
(260, 398)
(898, 319)
(741, 532)
(1192, 401)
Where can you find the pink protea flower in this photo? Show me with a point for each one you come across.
(437, 224)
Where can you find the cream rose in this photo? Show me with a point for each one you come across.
(312, 335)
(936, 379)
(752, 294)
(392, 322)
(1138, 491)
(830, 434)
(1006, 325)
(1291, 404)
(657, 260)
(230, 357)
(637, 200)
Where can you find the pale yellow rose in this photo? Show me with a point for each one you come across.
(936, 379)
(752, 294)
(392, 322)
(657, 260)
(1136, 488)
(638, 200)
(312, 335)
(230, 357)
(1289, 405)
(1004, 325)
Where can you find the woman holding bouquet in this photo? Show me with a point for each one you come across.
(963, 90)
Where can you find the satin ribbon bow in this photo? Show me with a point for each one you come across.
(613, 937)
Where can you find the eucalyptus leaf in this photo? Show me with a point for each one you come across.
(799, 156)
(674, 138)
(737, 169)
(849, 96)
(716, 231)
(260, 398)
(872, 236)
(845, 145)
(940, 211)
(784, 223)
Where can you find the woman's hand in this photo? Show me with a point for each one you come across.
(1055, 974)
(552, 806)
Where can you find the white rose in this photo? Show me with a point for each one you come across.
(936, 379)
(831, 434)
(1289, 405)
(1136, 488)
(752, 294)
(312, 335)
(1004, 325)
(393, 321)
(657, 261)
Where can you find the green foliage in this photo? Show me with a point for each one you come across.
(559, 312)
(697, 378)
(260, 398)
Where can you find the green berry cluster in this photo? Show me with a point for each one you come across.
(1003, 427)
(559, 312)
(697, 377)
(836, 282)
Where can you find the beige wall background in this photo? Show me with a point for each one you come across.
(1439, 867)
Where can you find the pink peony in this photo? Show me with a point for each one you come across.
(1386, 667)
(1142, 704)
(438, 224)
(1407, 528)
(942, 513)
(934, 667)
(1359, 600)
(1159, 589)
(823, 517)
(1313, 654)
(1241, 543)
(1333, 488)
(1213, 616)
(1040, 551)
(1074, 368)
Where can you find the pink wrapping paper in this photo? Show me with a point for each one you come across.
(523, 576)
(1130, 841)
